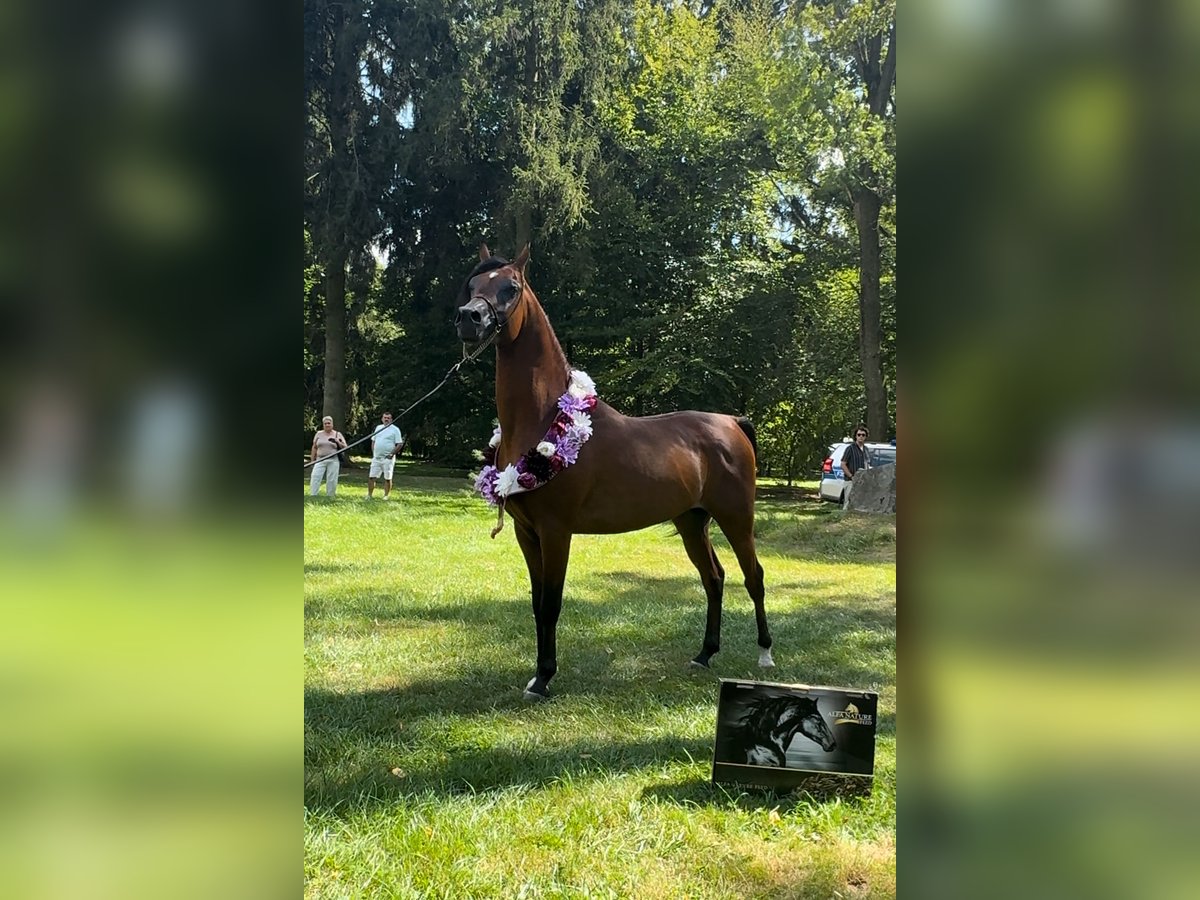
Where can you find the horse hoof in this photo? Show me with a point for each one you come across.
(696, 664)
(764, 659)
(534, 695)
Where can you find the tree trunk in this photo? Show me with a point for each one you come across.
(523, 228)
(334, 403)
(866, 217)
(343, 184)
(878, 79)
(523, 224)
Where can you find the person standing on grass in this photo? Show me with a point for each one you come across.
(385, 444)
(325, 447)
(855, 459)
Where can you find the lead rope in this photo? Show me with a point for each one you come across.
(499, 518)
(454, 368)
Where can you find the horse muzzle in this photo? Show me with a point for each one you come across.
(473, 322)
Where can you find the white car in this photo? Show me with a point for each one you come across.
(833, 480)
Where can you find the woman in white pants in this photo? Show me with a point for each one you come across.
(325, 447)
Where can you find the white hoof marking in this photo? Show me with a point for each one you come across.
(764, 659)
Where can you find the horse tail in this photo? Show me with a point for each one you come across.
(750, 431)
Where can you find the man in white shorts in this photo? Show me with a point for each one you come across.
(384, 445)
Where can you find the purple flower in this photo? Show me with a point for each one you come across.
(485, 484)
(569, 404)
(568, 449)
(568, 432)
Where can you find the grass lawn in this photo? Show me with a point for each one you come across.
(428, 775)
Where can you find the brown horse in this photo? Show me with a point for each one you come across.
(685, 467)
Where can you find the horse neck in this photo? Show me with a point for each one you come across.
(783, 734)
(787, 734)
(531, 374)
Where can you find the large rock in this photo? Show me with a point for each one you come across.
(874, 490)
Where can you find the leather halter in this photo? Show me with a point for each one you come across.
(501, 321)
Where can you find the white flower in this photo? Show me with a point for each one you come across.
(495, 441)
(506, 481)
(582, 422)
(546, 448)
(581, 385)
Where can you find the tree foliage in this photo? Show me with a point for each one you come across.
(685, 173)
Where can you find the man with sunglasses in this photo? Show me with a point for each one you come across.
(855, 458)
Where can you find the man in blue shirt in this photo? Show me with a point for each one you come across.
(385, 443)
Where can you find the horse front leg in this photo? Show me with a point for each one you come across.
(556, 551)
(531, 549)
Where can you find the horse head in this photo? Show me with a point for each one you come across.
(490, 299)
(804, 717)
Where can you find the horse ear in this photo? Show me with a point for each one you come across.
(522, 259)
(484, 253)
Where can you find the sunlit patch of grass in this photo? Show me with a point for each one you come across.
(426, 774)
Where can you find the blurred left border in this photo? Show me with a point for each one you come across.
(151, 557)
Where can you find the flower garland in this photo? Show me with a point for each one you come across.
(560, 447)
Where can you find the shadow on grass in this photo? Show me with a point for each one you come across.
(472, 731)
(365, 749)
(624, 641)
(697, 792)
(808, 645)
(647, 624)
(327, 568)
(379, 748)
(391, 778)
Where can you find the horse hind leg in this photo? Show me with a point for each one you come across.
(693, 528)
(740, 533)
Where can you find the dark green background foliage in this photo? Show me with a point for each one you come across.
(695, 180)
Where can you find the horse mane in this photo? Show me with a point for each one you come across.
(762, 713)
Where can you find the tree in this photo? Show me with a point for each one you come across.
(855, 45)
(878, 75)
(827, 85)
(686, 171)
(350, 133)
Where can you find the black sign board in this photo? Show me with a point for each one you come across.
(795, 735)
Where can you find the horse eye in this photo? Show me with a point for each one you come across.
(506, 293)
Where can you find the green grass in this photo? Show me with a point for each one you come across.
(427, 775)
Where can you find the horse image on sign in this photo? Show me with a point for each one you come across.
(689, 468)
(770, 723)
(777, 735)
